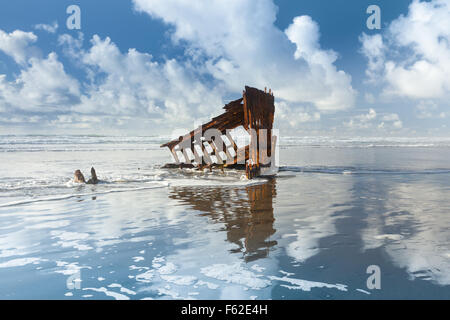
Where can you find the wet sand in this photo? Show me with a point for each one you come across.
(309, 233)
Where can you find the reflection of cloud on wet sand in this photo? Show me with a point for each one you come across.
(236, 225)
(318, 199)
(414, 230)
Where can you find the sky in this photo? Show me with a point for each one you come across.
(150, 67)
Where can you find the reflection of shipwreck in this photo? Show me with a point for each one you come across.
(247, 214)
(211, 145)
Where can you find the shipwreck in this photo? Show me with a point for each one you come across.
(212, 145)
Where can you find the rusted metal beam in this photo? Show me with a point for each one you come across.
(254, 111)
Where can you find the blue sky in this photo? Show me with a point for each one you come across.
(150, 67)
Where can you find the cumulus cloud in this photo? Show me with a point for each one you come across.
(429, 109)
(247, 48)
(17, 45)
(133, 83)
(412, 58)
(43, 86)
(373, 49)
(20, 119)
(294, 115)
(369, 119)
(369, 116)
(369, 97)
(50, 28)
(362, 121)
(392, 119)
(121, 84)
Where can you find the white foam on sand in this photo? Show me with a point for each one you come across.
(133, 267)
(68, 269)
(236, 273)
(9, 252)
(179, 280)
(214, 182)
(168, 268)
(209, 285)
(363, 291)
(78, 195)
(169, 293)
(49, 225)
(146, 276)
(287, 273)
(20, 262)
(137, 259)
(306, 285)
(389, 237)
(68, 236)
(115, 295)
(257, 268)
(156, 262)
(122, 289)
(71, 239)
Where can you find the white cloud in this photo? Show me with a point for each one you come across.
(133, 83)
(294, 115)
(370, 116)
(393, 119)
(373, 49)
(20, 119)
(50, 28)
(412, 58)
(429, 109)
(245, 48)
(76, 121)
(362, 121)
(367, 121)
(239, 44)
(398, 124)
(16, 45)
(122, 84)
(369, 97)
(43, 86)
(72, 47)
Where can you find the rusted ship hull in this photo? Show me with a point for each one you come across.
(211, 144)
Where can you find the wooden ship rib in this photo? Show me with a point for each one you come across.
(200, 149)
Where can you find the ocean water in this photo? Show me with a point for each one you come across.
(336, 209)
